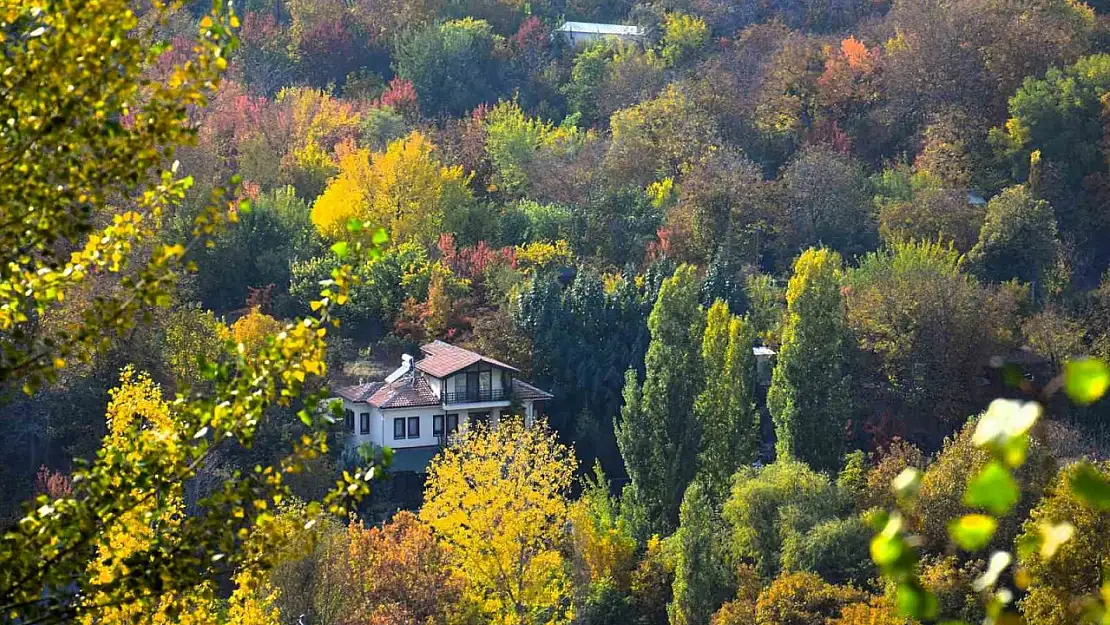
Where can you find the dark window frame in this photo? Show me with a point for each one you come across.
(438, 423)
(414, 432)
(448, 427)
(401, 422)
(364, 422)
(349, 420)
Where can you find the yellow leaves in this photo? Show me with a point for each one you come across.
(253, 602)
(608, 553)
(140, 422)
(661, 191)
(405, 190)
(498, 497)
(898, 43)
(137, 403)
(540, 255)
(682, 35)
(822, 267)
(346, 196)
(254, 329)
(173, 251)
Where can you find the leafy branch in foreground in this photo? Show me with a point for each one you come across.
(88, 132)
(1004, 431)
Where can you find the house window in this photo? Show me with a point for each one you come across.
(476, 381)
(452, 424)
(398, 428)
(472, 385)
(414, 427)
(349, 420)
(437, 425)
(364, 422)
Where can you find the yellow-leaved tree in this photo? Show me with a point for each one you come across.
(406, 190)
(138, 412)
(89, 178)
(497, 497)
(252, 330)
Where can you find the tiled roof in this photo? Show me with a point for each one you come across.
(527, 392)
(359, 392)
(442, 359)
(404, 393)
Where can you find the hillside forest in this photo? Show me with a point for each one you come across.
(215, 215)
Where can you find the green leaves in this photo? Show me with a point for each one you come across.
(341, 249)
(1091, 487)
(998, 563)
(993, 489)
(886, 549)
(907, 484)
(1003, 428)
(915, 601)
(1053, 536)
(1086, 380)
(973, 532)
(380, 237)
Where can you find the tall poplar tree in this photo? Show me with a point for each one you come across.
(725, 410)
(700, 577)
(810, 396)
(657, 434)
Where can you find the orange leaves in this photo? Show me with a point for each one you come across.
(846, 83)
(856, 53)
(400, 568)
(852, 61)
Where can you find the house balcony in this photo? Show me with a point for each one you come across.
(478, 396)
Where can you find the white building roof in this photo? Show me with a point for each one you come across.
(602, 29)
(763, 351)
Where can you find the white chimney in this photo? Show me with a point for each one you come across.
(406, 366)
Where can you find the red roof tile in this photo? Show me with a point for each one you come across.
(359, 392)
(442, 359)
(404, 393)
(527, 392)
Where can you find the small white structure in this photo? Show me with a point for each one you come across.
(424, 402)
(581, 33)
(764, 364)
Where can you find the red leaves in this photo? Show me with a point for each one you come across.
(401, 97)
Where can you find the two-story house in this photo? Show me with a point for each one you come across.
(424, 401)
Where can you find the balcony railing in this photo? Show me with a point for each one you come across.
(477, 395)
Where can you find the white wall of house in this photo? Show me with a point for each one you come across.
(583, 38)
(382, 425)
(477, 406)
(423, 414)
(357, 435)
